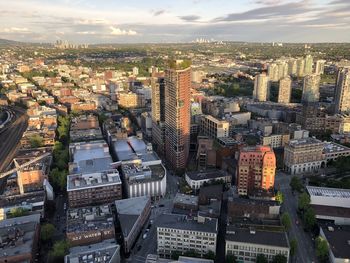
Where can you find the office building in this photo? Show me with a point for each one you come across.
(308, 64)
(285, 90)
(247, 243)
(19, 239)
(88, 225)
(94, 188)
(176, 233)
(107, 251)
(311, 88)
(261, 86)
(196, 179)
(177, 113)
(342, 91)
(303, 155)
(256, 169)
(132, 215)
(213, 127)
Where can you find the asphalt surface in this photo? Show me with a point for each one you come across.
(305, 251)
(10, 138)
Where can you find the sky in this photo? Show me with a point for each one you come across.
(170, 21)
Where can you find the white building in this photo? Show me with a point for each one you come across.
(176, 233)
(196, 179)
(213, 127)
(245, 244)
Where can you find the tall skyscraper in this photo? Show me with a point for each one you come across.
(261, 85)
(309, 61)
(300, 67)
(319, 68)
(256, 169)
(282, 69)
(158, 114)
(284, 90)
(342, 91)
(177, 113)
(292, 66)
(311, 88)
(272, 72)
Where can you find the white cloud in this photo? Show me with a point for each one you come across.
(15, 30)
(86, 33)
(121, 32)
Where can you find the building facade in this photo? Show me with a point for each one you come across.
(213, 127)
(311, 88)
(342, 91)
(261, 86)
(285, 90)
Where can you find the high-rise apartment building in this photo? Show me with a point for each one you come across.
(177, 113)
(158, 114)
(272, 72)
(319, 67)
(261, 85)
(300, 67)
(311, 88)
(256, 169)
(308, 65)
(284, 91)
(342, 91)
(292, 66)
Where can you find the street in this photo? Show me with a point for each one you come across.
(305, 252)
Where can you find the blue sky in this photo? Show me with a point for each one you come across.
(135, 21)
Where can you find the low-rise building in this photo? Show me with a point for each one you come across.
(213, 127)
(94, 188)
(132, 215)
(107, 251)
(156, 259)
(196, 179)
(88, 225)
(247, 243)
(303, 155)
(177, 233)
(333, 151)
(275, 140)
(184, 202)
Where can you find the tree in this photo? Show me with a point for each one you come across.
(59, 250)
(279, 197)
(209, 255)
(296, 184)
(261, 258)
(59, 178)
(279, 258)
(293, 246)
(17, 212)
(322, 249)
(47, 231)
(304, 201)
(36, 141)
(309, 219)
(286, 221)
(231, 259)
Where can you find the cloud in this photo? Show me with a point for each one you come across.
(120, 32)
(268, 2)
(86, 33)
(15, 30)
(190, 17)
(158, 12)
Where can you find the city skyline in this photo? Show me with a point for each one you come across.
(87, 21)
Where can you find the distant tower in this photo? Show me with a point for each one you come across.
(319, 69)
(292, 66)
(284, 90)
(342, 91)
(272, 72)
(300, 67)
(308, 65)
(311, 88)
(261, 85)
(177, 113)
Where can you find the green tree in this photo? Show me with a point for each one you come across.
(309, 219)
(17, 212)
(47, 231)
(286, 221)
(322, 249)
(59, 178)
(279, 197)
(261, 258)
(59, 250)
(209, 255)
(293, 246)
(231, 259)
(304, 201)
(296, 184)
(36, 141)
(279, 258)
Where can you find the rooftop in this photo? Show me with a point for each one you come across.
(174, 221)
(89, 218)
(210, 174)
(82, 181)
(136, 172)
(305, 142)
(331, 147)
(338, 238)
(328, 192)
(97, 253)
(254, 236)
(186, 199)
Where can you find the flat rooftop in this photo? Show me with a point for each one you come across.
(186, 199)
(259, 237)
(304, 142)
(210, 174)
(338, 239)
(89, 219)
(83, 181)
(136, 172)
(182, 222)
(331, 147)
(97, 253)
(328, 192)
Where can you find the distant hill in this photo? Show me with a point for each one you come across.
(6, 42)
